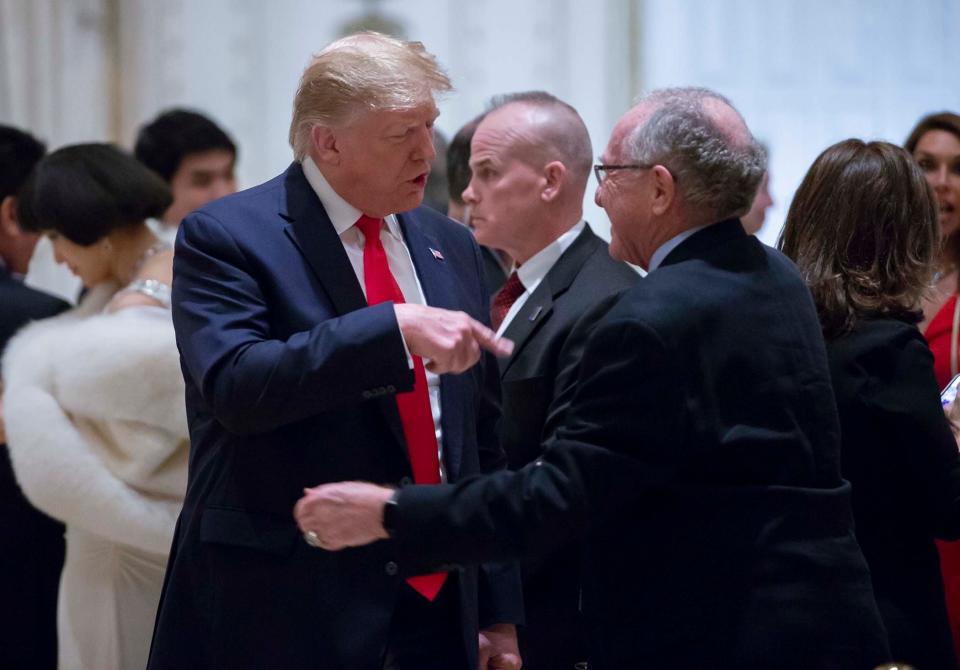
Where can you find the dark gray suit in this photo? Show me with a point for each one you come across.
(549, 332)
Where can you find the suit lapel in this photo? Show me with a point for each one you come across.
(534, 312)
(312, 232)
(438, 282)
(435, 274)
(538, 308)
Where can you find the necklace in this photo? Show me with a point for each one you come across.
(151, 251)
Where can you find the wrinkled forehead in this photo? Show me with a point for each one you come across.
(626, 126)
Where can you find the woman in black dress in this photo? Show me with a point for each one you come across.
(863, 230)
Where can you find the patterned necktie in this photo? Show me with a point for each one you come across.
(504, 299)
(415, 412)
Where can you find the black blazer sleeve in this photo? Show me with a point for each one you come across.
(548, 502)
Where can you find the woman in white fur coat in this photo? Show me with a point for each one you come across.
(94, 406)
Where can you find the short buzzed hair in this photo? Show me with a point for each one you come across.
(716, 171)
(569, 139)
(362, 71)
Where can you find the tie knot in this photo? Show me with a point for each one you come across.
(369, 226)
(512, 289)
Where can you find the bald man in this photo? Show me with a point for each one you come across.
(530, 159)
(699, 458)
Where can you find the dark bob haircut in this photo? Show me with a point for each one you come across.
(947, 121)
(85, 191)
(163, 143)
(19, 152)
(863, 229)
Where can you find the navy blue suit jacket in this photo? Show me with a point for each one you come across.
(290, 382)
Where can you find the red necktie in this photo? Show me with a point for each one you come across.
(415, 413)
(504, 299)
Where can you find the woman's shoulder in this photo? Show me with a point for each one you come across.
(150, 287)
(873, 335)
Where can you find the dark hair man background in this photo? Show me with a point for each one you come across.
(699, 458)
(32, 556)
(194, 155)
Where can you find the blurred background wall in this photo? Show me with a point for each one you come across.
(805, 73)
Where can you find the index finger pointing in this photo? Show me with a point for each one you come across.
(486, 338)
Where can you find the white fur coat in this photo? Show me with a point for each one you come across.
(95, 420)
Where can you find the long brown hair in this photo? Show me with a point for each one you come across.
(863, 230)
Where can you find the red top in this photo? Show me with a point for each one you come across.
(938, 334)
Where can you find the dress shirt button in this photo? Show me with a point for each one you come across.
(391, 568)
(405, 481)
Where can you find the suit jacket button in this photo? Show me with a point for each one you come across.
(391, 568)
(405, 481)
(392, 388)
(367, 395)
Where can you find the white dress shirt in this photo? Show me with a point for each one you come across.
(344, 217)
(536, 268)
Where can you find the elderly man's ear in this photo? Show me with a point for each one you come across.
(664, 190)
(553, 178)
(325, 146)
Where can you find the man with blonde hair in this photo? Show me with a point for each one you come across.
(330, 328)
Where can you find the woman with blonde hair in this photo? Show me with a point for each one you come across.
(94, 405)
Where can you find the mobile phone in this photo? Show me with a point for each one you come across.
(949, 393)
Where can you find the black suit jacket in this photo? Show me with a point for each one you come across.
(537, 381)
(901, 459)
(290, 382)
(549, 333)
(32, 558)
(700, 462)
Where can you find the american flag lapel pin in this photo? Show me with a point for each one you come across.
(436, 254)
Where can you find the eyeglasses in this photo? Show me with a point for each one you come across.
(600, 171)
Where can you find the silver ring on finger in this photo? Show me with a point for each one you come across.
(312, 539)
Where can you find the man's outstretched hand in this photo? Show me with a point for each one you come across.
(341, 515)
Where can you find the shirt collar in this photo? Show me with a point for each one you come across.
(537, 266)
(342, 214)
(664, 249)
